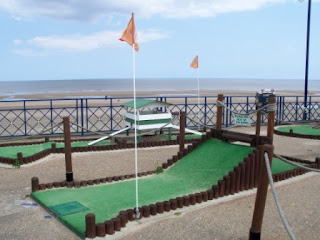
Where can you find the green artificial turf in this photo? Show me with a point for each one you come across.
(300, 129)
(280, 166)
(196, 172)
(68, 208)
(29, 150)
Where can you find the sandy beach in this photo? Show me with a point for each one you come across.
(120, 94)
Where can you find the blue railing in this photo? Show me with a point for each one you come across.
(29, 117)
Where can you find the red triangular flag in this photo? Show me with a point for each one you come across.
(194, 63)
(129, 34)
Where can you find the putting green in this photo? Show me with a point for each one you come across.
(29, 150)
(196, 172)
(300, 129)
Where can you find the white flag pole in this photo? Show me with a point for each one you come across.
(198, 97)
(137, 213)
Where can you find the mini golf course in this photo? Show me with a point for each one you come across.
(195, 172)
(18, 154)
(29, 150)
(302, 131)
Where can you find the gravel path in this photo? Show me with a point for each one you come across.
(19, 219)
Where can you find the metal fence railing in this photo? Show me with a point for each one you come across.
(29, 117)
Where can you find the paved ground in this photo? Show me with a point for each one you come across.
(19, 219)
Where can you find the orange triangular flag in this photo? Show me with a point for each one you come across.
(194, 63)
(129, 34)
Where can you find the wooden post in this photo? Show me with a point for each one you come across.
(318, 162)
(20, 157)
(90, 225)
(67, 149)
(270, 130)
(255, 230)
(258, 124)
(219, 113)
(34, 184)
(182, 130)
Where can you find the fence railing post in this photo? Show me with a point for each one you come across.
(87, 115)
(279, 110)
(25, 117)
(185, 110)
(205, 111)
(297, 108)
(309, 108)
(227, 111)
(219, 113)
(111, 115)
(82, 124)
(77, 114)
(230, 113)
(51, 116)
(283, 109)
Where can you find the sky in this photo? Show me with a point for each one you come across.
(78, 39)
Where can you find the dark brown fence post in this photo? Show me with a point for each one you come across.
(255, 230)
(20, 157)
(219, 113)
(247, 174)
(238, 179)
(318, 162)
(256, 167)
(252, 167)
(232, 182)
(34, 184)
(258, 124)
(182, 130)
(270, 130)
(90, 225)
(242, 166)
(67, 149)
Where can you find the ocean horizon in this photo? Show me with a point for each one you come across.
(13, 88)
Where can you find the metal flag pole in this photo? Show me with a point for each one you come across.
(137, 213)
(307, 63)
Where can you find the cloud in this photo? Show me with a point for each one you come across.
(84, 10)
(17, 41)
(28, 52)
(44, 45)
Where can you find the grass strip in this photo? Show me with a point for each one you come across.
(29, 150)
(301, 129)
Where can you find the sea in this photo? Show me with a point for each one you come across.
(10, 89)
